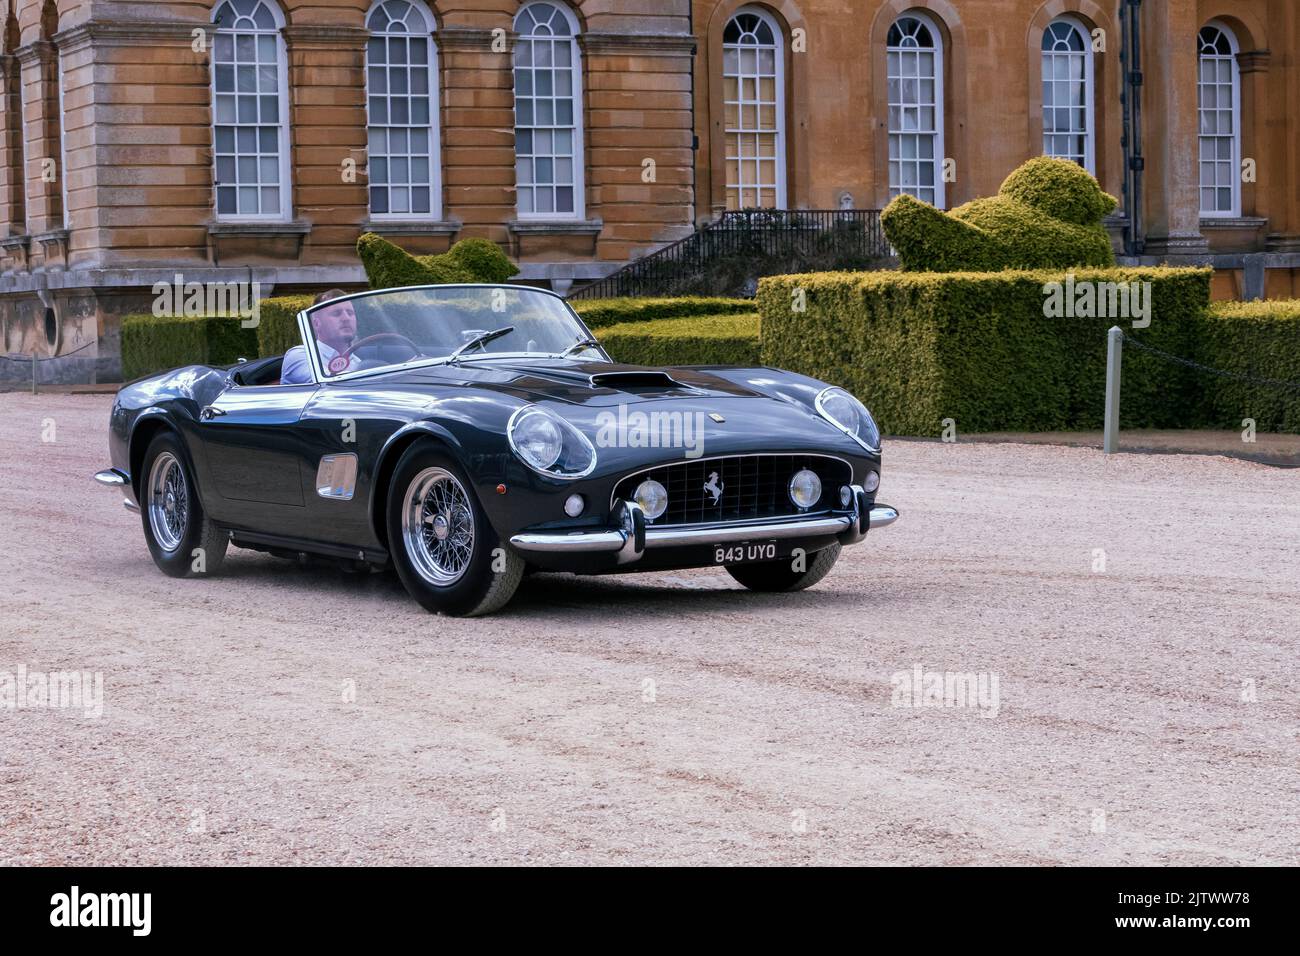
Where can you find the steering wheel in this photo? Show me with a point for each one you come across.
(340, 362)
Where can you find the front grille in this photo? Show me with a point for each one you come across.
(752, 486)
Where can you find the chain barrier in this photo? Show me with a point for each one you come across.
(1197, 366)
(20, 357)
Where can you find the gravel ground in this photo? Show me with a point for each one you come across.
(1146, 713)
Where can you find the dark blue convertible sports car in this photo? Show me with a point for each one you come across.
(467, 434)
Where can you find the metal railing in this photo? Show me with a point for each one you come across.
(846, 235)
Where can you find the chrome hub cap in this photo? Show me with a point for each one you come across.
(438, 526)
(167, 499)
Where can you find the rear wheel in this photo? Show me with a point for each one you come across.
(181, 539)
(444, 549)
(785, 574)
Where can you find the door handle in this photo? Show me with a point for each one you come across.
(210, 412)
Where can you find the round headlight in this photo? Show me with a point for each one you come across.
(850, 416)
(652, 497)
(871, 482)
(805, 488)
(838, 407)
(537, 439)
(549, 444)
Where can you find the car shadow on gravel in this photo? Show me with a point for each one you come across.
(667, 594)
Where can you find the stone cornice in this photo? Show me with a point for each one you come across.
(470, 39)
(127, 33)
(42, 50)
(680, 44)
(323, 36)
(1254, 61)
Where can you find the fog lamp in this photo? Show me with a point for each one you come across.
(805, 488)
(652, 497)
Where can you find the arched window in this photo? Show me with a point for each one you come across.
(1218, 100)
(753, 91)
(249, 111)
(915, 73)
(1067, 93)
(402, 111)
(548, 113)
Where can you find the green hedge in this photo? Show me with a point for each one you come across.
(598, 313)
(978, 348)
(1047, 214)
(277, 328)
(152, 344)
(1258, 339)
(698, 340)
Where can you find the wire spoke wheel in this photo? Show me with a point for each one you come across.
(438, 526)
(168, 500)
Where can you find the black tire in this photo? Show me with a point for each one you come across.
(454, 563)
(181, 539)
(781, 575)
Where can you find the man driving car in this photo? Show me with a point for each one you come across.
(336, 329)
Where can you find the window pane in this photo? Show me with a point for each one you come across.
(753, 115)
(546, 111)
(401, 111)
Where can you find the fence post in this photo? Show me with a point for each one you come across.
(1114, 345)
(33, 371)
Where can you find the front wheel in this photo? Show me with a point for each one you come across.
(444, 549)
(180, 537)
(786, 574)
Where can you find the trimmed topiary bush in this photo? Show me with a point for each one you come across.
(597, 313)
(470, 260)
(1047, 214)
(978, 348)
(1258, 339)
(152, 344)
(697, 340)
(483, 259)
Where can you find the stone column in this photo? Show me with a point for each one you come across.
(1252, 66)
(327, 115)
(1169, 117)
(39, 92)
(1279, 132)
(638, 92)
(138, 138)
(478, 129)
(13, 217)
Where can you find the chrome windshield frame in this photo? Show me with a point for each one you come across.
(318, 370)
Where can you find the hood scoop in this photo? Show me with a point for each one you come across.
(635, 379)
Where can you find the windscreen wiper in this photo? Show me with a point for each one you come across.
(578, 345)
(481, 340)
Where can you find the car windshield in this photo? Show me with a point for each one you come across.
(399, 326)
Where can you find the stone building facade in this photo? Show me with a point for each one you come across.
(254, 140)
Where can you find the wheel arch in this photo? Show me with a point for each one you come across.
(394, 448)
(147, 427)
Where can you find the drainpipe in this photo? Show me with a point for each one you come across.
(1131, 99)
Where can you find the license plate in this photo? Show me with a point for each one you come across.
(744, 551)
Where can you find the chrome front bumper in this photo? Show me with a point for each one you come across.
(632, 537)
(112, 478)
